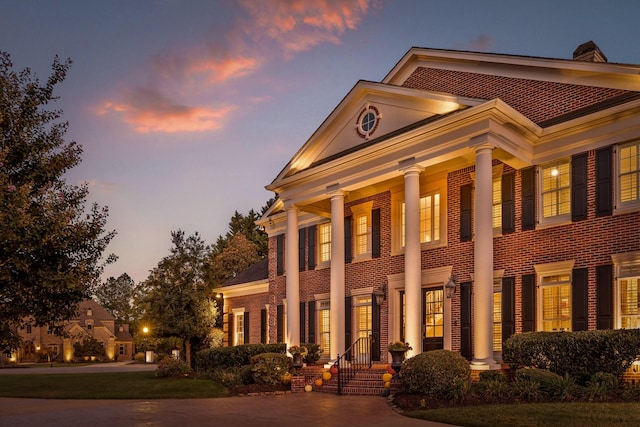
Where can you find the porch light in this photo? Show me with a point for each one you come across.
(451, 286)
(380, 296)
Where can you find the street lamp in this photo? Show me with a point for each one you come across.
(148, 354)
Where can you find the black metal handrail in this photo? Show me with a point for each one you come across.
(354, 359)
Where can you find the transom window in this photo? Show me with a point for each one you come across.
(324, 241)
(556, 302)
(555, 184)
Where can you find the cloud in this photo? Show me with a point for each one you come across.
(148, 110)
(101, 187)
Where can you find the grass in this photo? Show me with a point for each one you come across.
(592, 414)
(115, 385)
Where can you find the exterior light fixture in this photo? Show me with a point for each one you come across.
(381, 294)
(451, 286)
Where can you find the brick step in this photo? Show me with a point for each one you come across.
(366, 383)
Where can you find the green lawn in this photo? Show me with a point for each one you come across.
(116, 385)
(587, 414)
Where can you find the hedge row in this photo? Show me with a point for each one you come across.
(235, 356)
(578, 354)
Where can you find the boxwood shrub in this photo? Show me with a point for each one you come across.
(437, 373)
(578, 354)
(236, 356)
(271, 368)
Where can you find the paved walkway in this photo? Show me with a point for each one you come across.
(303, 409)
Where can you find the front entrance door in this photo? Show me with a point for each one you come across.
(433, 319)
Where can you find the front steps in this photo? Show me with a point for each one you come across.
(367, 382)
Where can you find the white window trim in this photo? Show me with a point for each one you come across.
(322, 264)
(620, 261)
(559, 219)
(236, 312)
(545, 270)
(620, 207)
(362, 209)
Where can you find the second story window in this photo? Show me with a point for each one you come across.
(555, 188)
(324, 242)
(429, 219)
(628, 166)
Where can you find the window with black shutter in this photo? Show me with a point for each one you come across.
(280, 254)
(247, 328)
(280, 323)
(529, 303)
(348, 251)
(604, 181)
(604, 297)
(579, 300)
(312, 322)
(579, 187)
(508, 203)
(302, 233)
(263, 326)
(303, 323)
(508, 307)
(528, 190)
(311, 232)
(466, 211)
(375, 233)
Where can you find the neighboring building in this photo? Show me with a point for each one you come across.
(466, 197)
(92, 321)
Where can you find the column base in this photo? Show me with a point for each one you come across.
(485, 365)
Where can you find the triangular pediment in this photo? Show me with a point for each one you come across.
(368, 112)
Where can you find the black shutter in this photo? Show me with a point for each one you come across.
(312, 322)
(312, 247)
(280, 254)
(280, 323)
(375, 233)
(528, 190)
(604, 181)
(466, 210)
(579, 187)
(303, 324)
(263, 326)
(375, 329)
(604, 297)
(301, 243)
(466, 338)
(247, 328)
(230, 329)
(579, 300)
(347, 240)
(347, 322)
(529, 303)
(508, 203)
(508, 307)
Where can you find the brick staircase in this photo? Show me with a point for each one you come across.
(366, 382)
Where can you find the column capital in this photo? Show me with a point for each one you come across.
(288, 204)
(485, 141)
(409, 166)
(335, 191)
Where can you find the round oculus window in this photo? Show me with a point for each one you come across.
(368, 121)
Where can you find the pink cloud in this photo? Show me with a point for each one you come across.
(148, 111)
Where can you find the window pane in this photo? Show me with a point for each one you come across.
(497, 202)
(434, 315)
(556, 307)
(324, 331)
(629, 303)
(556, 189)
(362, 232)
(497, 321)
(325, 242)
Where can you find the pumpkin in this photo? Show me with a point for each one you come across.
(387, 385)
(308, 388)
(390, 370)
(319, 382)
(326, 376)
(386, 377)
(333, 369)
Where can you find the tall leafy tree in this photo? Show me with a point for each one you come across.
(51, 245)
(118, 296)
(239, 255)
(177, 302)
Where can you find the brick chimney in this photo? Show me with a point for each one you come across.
(589, 51)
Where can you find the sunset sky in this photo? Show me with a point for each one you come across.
(187, 109)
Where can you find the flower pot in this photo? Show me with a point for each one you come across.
(297, 360)
(397, 357)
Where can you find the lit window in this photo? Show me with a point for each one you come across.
(555, 184)
(324, 332)
(362, 235)
(497, 320)
(434, 314)
(628, 193)
(556, 302)
(324, 241)
(497, 202)
(239, 328)
(363, 317)
(429, 219)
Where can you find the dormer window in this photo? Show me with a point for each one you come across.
(89, 312)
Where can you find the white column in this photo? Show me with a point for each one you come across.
(337, 313)
(412, 265)
(483, 262)
(292, 278)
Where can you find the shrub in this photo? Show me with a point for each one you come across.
(601, 385)
(437, 372)
(233, 377)
(579, 354)
(548, 381)
(527, 389)
(88, 347)
(235, 356)
(492, 376)
(270, 368)
(313, 353)
(139, 357)
(170, 367)
(494, 388)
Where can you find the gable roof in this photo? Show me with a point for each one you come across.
(97, 311)
(257, 272)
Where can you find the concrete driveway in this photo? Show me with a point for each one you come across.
(299, 409)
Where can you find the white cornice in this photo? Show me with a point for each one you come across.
(245, 289)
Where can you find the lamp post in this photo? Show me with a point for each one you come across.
(148, 358)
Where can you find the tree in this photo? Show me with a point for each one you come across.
(177, 302)
(118, 296)
(239, 255)
(51, 249)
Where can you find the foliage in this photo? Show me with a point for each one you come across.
(313, 353)
(399, 346)
(437, 372)
(88, 347)
(238, 255)
(491, 375)
(270, 368)
(601, 385)
(236, 356)
(548, 381)
(298, 349)
(174, 368)
(51, 247)
(579, 354)
(233, 377)
(176, 301)
(118, 296)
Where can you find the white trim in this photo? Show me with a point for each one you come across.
(362, 291)
(245, 289)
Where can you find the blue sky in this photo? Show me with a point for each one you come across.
(187, 109)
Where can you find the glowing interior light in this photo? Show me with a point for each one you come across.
(554, 172)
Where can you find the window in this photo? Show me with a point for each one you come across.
(368, 121)
(497, 318)
(363, 227)
(555, 187)
(497, 202)
(89, 326)
(324, 331)
(628, 290)
(362, 234)
(29, 329)
(239, 328)
(121, 349)
(429, 219)
(556, 302)
(434, 314)
(628, 185)
(324, 242)
(363, 317)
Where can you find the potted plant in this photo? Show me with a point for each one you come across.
(398, 350)
(298, 352)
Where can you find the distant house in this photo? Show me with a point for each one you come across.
(464, 198)
(41, 343)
